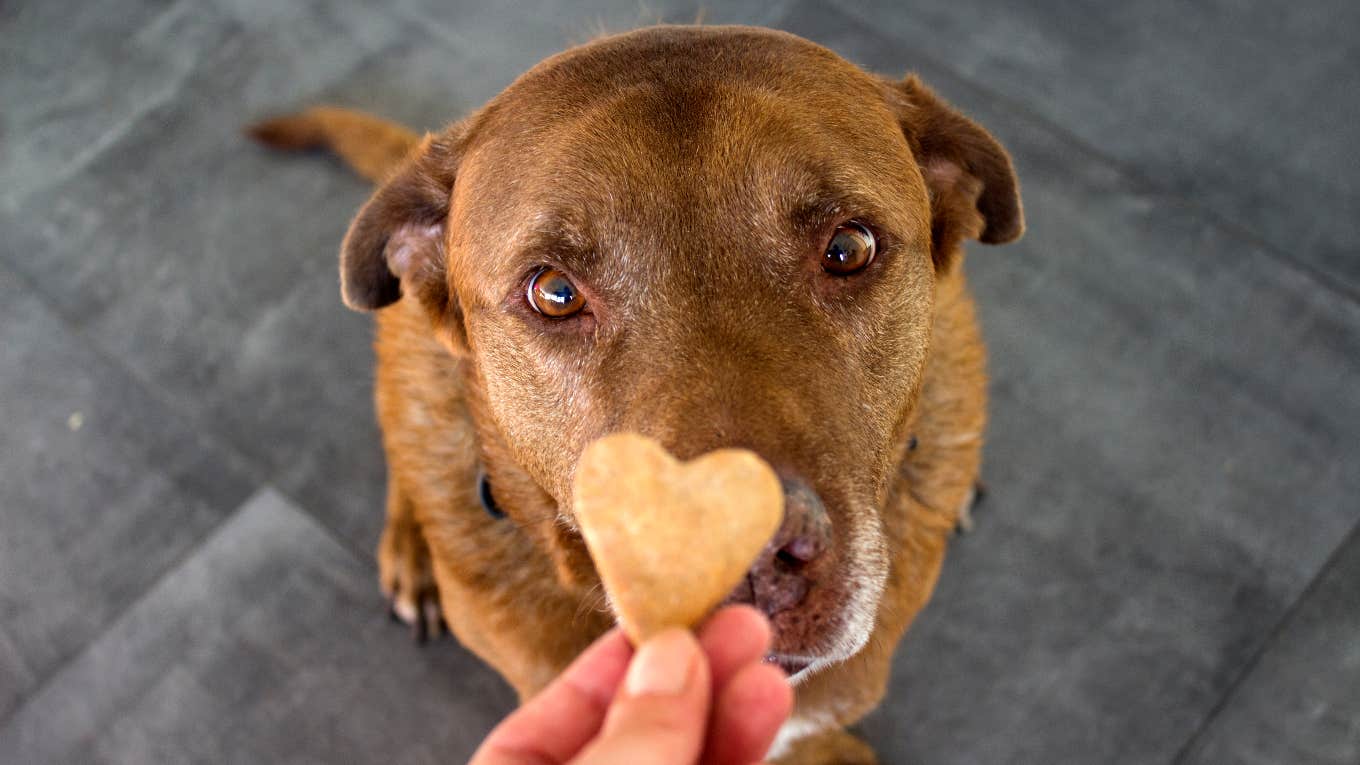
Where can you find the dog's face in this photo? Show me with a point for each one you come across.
(712, 236)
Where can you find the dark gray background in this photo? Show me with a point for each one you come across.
(1168, 569)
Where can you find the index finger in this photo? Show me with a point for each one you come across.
(733, 637)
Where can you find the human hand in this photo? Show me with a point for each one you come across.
(678, 701)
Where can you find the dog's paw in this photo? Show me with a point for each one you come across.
(407, 579)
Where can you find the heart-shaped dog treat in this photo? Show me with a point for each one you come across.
(671, 539)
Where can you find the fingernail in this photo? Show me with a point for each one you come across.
(662, 665)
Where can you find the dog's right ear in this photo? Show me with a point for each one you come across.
(395, 246)
(973, 190)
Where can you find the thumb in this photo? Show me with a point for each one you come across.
(661, 713)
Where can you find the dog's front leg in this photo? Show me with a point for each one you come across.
(404, 568)
(832, 747)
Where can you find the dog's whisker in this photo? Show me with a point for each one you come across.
(594, 599)
(529, 523)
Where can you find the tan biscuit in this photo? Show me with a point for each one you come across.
(671, 539)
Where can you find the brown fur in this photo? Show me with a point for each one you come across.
(686, 178)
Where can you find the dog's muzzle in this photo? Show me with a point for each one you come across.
(782, 581)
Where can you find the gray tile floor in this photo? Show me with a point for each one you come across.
(1168, 569)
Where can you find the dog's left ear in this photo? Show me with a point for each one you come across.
(973, 190)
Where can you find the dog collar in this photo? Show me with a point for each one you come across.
(487, 498)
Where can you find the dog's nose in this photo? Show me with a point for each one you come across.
(793, 560)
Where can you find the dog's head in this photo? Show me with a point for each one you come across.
(713, 236)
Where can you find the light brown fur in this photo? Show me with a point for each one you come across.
(464, 373)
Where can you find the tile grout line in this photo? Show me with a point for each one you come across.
(252, 472)
(1272, 636)
(170, 570)
(173, 567)
(1139, 181)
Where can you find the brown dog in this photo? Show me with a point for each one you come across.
(716, 236)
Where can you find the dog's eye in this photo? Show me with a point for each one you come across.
(552, 294)
(851, 248)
